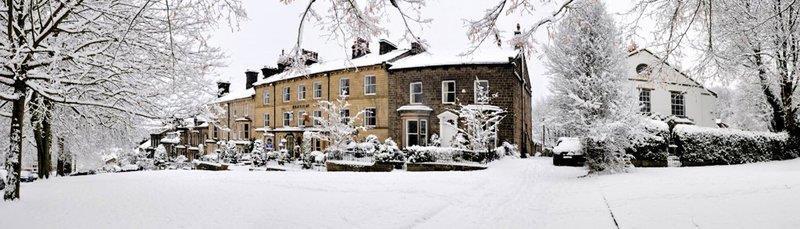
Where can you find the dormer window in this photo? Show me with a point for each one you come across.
(642, 69)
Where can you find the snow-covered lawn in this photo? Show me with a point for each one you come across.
(510, 194)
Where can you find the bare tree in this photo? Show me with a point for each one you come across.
(105, 63)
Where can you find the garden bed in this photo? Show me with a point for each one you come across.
(357, 166)
(437, 166)
(202, 165)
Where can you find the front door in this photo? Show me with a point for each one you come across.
(447, 127)
(290, 144)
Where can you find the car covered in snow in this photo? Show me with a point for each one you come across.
(568, 151)
(27, 176)
(3, 175)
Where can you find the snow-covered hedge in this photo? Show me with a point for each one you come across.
(698, 146)
(418, 154)
(651, 150)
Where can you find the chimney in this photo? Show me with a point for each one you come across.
(632, 47)
(416, 47)
(252, 76)
(310, 57)
(267, 71)
(385, 47)
(223, 88)
(518, 39)
(360, 48)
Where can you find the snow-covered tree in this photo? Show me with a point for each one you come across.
(739, 41)
(338, 125)
(479, 121)
(590, 90)
(105, 62)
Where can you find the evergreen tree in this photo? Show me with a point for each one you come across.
(591, 94)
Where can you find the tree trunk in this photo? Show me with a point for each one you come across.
(778, 122)
(14, 156)
(40, 119)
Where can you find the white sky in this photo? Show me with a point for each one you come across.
(272, 26)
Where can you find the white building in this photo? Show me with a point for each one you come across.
(664, 90)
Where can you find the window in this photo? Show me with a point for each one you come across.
(370, 117)
(642, 69)
(370, 85)
(317, 90)
(287, 94)
(215, 132)
(481, 89)
(416, 132)
(266, 120)
(246, 130)
(317, 115)
(287, 119)
(266, 96)
(415, 90)
(678, 105)
(344, 86)
(301, 118)
(345, 116)
(644, 100)
(301, 92)
(449, 92)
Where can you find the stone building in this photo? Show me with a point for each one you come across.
(427, 88)
(278, 106)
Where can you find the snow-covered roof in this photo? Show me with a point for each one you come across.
(237, 94)
(427, 59)
(482, 107)
(333, 65)
(414, 108)
(172, 140)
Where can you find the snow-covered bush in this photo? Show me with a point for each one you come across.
(388, 151)
(418, 154)
(699, 146)
(650, 149)
(337, 127)
(507, 150)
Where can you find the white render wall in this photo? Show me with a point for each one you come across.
(699, 101)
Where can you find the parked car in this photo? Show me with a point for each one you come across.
(27, 176)
(568, 151)
(84, 172)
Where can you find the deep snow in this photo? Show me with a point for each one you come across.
(513, 193)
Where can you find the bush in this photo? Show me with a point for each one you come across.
(652, 150)
(419, 154)
(698, 146)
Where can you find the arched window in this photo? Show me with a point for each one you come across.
(642, 68)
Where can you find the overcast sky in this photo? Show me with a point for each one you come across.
(272, 26)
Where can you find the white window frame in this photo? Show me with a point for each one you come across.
(287, 121)
(445, 92)
(374, 116)
(646, 104)
(300, 118)
(314, 85)
(301, 92)
(266, 96)
(411, 93)
(316, 114)
(475, 89)
(245, 131)
(374, 85)
(423, 141)
(266, 120)
(342, 87)
(287, 94)
(673, 104)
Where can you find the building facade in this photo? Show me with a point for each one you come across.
(279, 106)
(663, 90)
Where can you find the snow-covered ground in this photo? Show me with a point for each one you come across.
(521, 193)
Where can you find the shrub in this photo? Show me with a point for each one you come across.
(699, 146)
(651, 150)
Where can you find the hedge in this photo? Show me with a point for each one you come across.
(698, 146)
(651, 151)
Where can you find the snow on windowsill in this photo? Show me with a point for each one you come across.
(414, 108)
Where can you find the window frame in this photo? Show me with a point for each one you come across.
(374, 85)
(287, 94)
(343, 88)
(314, 114)
(673, 98)
(287, 120)
(246, 131)
(344, 119)
(266, 120)
(645, 107)
(367, 116)
(475, 89)
(265, 97)
(411, 93)
(420, 134)
(314, 88)
(300, 118)
(445, 92)
(301, 92)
